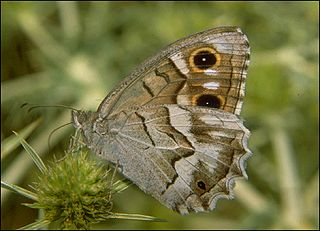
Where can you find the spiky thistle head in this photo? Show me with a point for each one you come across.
(76, 190)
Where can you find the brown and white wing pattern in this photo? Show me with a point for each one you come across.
(186, 157)
(209, 66)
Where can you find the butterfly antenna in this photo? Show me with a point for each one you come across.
(34, 106)
(54, 130)
(38, 106)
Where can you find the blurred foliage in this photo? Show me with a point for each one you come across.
(74, 53)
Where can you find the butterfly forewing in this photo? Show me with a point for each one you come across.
(174, 76)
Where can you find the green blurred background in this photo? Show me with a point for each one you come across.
(74, 53)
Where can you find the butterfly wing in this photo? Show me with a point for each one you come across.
(186, 157)
(207, 68)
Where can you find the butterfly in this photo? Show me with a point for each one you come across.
(172, 126)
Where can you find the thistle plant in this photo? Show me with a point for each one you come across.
(75, 191)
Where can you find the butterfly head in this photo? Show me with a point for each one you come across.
(80, 118)
(84, 121)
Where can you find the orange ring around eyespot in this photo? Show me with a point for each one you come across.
(193, 66)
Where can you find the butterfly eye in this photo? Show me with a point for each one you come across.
(201, 185)
(209, 101)
(204, 59)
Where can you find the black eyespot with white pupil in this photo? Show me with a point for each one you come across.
(209, 101)
(204, 59)
(201, 185)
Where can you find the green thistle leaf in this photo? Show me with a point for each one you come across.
(35, 157)
(19, 190)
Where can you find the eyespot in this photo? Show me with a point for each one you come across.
(203, 59)
(208, 100)
(201, 185)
